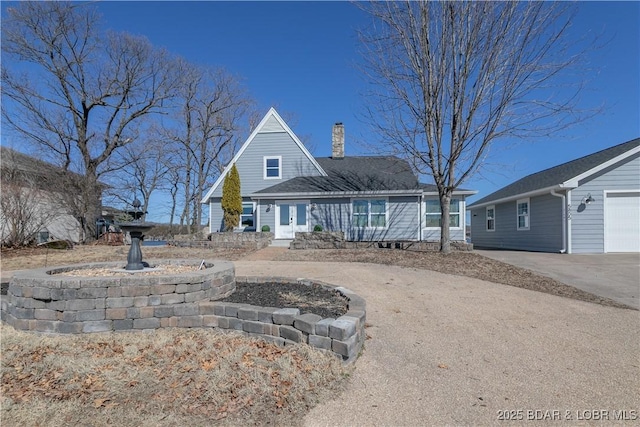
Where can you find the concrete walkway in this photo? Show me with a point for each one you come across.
(615, 276)
(450, 350)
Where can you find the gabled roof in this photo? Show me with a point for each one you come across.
(265, 125)
(31, 170)
(564, 176)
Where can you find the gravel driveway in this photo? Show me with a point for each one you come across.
(455, 350)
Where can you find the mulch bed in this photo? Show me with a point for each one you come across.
(309, 299)
(467, 264)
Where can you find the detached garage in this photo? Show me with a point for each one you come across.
(588, 205)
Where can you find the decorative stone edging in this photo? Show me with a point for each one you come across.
(343, 336)
(336, 240)
(41, 302)
(227, 240)
(45, 300)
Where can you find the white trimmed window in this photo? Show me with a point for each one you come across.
(523, 219)
(369, 213)
(491, 218)
(433, 214)
(273, 167)
(246, 219)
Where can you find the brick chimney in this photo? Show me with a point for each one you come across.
(337, 141)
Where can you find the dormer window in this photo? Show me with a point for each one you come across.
(273, 167)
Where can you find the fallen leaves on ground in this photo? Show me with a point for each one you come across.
(192, 374)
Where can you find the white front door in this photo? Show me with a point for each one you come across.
(291, 217)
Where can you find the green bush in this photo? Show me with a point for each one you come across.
(317, 228)
(266, 228)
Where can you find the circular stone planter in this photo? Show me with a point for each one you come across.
(47, 300)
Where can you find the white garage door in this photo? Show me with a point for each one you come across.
(622, 222)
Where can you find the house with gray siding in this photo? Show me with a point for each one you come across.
(588, 205)
(367, 198)
(34, 201)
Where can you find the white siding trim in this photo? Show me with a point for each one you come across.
(486, 218)
(210, 218)
(528, 226)
(258, 225)
(573, 182)
(566, 185)
(569, 242)
(271, 113)
(369, 199)
(461, 213)
(264, 167)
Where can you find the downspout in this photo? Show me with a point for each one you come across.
(564, 220)
(569, 224)
(420, 197)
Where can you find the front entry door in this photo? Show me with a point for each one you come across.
(291, 217)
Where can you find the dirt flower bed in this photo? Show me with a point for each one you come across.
(459, 263)
(309, 299)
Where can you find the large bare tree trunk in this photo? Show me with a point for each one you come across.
(449, 79)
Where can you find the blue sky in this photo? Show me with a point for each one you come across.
(301, 57)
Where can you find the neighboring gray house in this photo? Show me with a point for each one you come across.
(34, 204)
(368, 198)
(588, 205)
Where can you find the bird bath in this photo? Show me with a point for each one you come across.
(136, 230)
(104, 296)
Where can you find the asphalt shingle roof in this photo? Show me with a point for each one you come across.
(558, 174)
(353, 173)
(356, 173)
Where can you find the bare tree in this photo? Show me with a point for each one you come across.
(451, 78)
(86, 92)
(147, 172)
(207, 130)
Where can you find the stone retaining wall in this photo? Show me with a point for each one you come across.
(39, 301)
(335, 240)
(228, 240)
(343, 336)
(45, 300)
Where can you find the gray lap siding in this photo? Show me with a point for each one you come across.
(587, 221)
(545, 227)
(336, 215)
(250, 164)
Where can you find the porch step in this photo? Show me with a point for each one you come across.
(281, 243)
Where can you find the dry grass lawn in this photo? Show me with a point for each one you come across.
(194, 377)
(169, 377)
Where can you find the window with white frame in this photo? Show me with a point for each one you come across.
(273, 167)
(246, 219)
(491, 218)
(433, 214)
(522, 207)
(370, 213)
